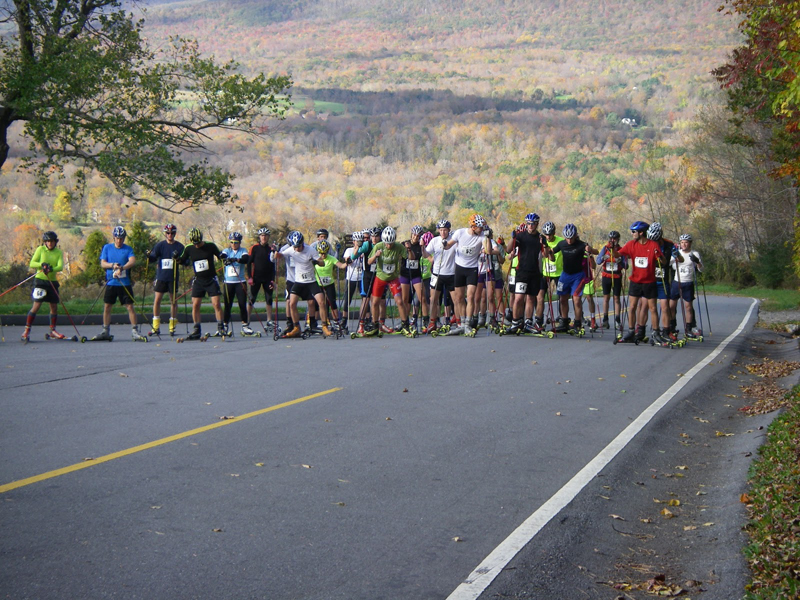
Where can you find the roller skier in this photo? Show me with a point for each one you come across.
(166, 278)
(48, 261)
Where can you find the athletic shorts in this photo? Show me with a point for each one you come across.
(123, 293)
(379, 287)
(465, 276)
(664, 293)
(289, 286)
(43, 292)
(442, 282)
(306, 291)
(643, 290)
(528, 283)
(609, 283)
(162, 287)
(686, 291)
(201, 287)
(571, 285)
(588, 289)
(330, 296)
(410, 280)
(546, 280)
(259, 285)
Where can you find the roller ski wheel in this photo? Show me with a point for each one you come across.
(621, 340)
(190, 338)
(140, 338)
(255, 334)
(101, 338)
(64, 338)
(154, 332)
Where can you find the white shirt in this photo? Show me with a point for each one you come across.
(289, 263)
(355, 268)
(685, 271)
(468, 249)
(441, 265)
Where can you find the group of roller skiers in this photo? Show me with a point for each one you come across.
(455, 275)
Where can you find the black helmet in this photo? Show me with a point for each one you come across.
(613, 234)
(322, 231)
(50, 236)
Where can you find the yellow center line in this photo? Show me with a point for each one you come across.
(102, 459)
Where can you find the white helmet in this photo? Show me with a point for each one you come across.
(388, 235)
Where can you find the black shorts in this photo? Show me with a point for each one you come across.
(330, 296)
(259, 285)
(201, 287)
(465, 276)
(607, 286)
(643, 290)
(443, 282)
(43, 292)
(306, 291)
(528, 283)
(289, 286)
(123, 293)
(545, 281)
(162, 287)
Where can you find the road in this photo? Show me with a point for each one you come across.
(374, 468)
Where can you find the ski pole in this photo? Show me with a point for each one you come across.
(699, 308)
(12, 288)
(103, 289)
(705, 299)
(61, 302)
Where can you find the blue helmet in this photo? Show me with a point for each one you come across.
(295, 238)
(531, 218)
(443, 224)
(119, 232)
(639, 226)
(570, 231)
(235, 236)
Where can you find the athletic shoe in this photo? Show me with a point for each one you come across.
(55, 335)
(247, 330)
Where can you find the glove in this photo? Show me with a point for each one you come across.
(349, 260)
(176, 253)
(46, 268)
(274, 247)
(223, 256)
(675, 253)
(489, 233)
(694, 259)
(229, 261)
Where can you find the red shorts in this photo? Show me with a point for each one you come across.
(379, 285)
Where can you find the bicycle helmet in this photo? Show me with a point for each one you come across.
(322, 232)
(570, 231)
(685, 237)
(443, 224)
(170, 228)
(477, 220)
(195, 235)
(263, 231)
(426, 238)
(613, 234)
(388, 235)
(375, 231)
(639, 226)
(417, 230)
(549, 228)
(323, 247)
(119, 232)
(531, 218)
(654, 232)
(235, 236)
(358, 236)
(49, 236)
(295, 238)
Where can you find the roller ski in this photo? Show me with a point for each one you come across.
(533, 329)
(195, 336)
(407, 330)
(222, 331)
(138, 337)
(155, 328)
(248, 331)
(628, 338)
(26, 335)
(54, 335)
(456, 330)
(591, 325)
(293, 333)
(366, 331)
(515, 328)
(104, 336)
(694, 335)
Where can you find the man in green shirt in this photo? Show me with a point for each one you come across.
(388, 255)
(48, 261)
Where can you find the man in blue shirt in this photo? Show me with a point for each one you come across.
(117, 259)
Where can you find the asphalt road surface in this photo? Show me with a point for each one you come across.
(313, 469)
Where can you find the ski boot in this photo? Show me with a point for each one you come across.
(628, 338)
(455, 330)
(481, 321)
(155, 328)
(26, 335)
(658, 339)
(54, 335)
(384, 328)
(562, 325)
(173, 325)
(247, 331)
(432, 326)
(605, 322)
(326, 330)
(641, 334)
(407, 330)
(693, 333)
(138, 337)
(514, 329)
(195, 335)
(593, 324)
(575, 327)
(494, 325)
(294, 332)
(104, 336)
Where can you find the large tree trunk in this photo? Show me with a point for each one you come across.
(6, 119)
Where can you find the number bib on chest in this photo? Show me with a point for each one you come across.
(685, 271)
(550, 267)
(612, 267)
(641, 262)
(166, 263)
(325, 280)
(412, 265)
(659, 273)
(388, 268)
(231, 272)
(304, 277)
(200, 265)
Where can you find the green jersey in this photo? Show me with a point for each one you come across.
(54, 258)
(389, 261)
(426, 268)
(553, 268)
(325, 273)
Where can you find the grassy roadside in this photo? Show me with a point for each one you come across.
(774, 506)
(771, 300)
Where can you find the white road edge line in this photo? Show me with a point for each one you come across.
(474, 585)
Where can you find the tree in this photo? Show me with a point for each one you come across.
(91, 92)
(62, 205)
(93, 272)
(140, 239)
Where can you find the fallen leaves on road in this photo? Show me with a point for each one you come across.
(769, 396)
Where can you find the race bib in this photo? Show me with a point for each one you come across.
(200, 265)
(166, 263)
(521, 288)
(325, 280)
(466, 251)
(434, 279)
(122, 274)
(641, 262)
(685, 271)
(550, 267)
(659, 273)
(412, 265)
(388, 268)
(560, 287)
(511, 279)
(305, 277)
(39, 293)
(612, 267)
(373, 267)
(231, 272)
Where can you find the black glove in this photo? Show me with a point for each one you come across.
(694, 259)
(349, 260)
(176, 253)
(46, 268)
(229, 261)
(223, 256)
(274, 247)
